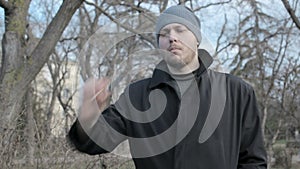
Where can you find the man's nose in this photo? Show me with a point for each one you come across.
(173, 37)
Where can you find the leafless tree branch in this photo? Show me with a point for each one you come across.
(117, 22)
(219, 38)
(211, 4)
(292, 13)
(5, 4)
(51, 36)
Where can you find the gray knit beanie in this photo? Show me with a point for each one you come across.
(182, 15)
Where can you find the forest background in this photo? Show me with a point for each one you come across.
(49, 48)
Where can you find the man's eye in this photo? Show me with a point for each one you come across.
(163, 34)
(180, 30)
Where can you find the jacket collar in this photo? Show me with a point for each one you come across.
(161, 73)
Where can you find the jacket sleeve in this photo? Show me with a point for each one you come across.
(108, 132)
(252, 151)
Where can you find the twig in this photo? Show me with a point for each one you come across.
(211, 4)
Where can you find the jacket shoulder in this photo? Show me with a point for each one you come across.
(140, 84)
(234, 82)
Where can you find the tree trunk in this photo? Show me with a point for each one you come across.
(10, 94)
(30, 128)
(12, 61)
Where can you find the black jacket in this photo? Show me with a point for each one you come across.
(208, 139)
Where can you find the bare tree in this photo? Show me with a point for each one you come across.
(259, 44)
(263, 58)
(19, 69)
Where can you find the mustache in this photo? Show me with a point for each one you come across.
(172, 47)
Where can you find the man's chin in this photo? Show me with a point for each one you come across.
(175, 62)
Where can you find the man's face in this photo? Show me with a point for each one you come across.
(181, 42)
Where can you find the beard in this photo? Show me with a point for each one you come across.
(179, 61)
(175, 61)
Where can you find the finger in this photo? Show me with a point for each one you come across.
(103, 97)
(102, 83)
(101, 89)
(89, 88)
(98, 94)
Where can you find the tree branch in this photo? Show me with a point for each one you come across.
(6, 5)
(117, 22)
(45, 47)
(211, 4)
(292, 13)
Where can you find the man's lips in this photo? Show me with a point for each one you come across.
(173, 48)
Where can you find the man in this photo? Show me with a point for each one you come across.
(184, 117)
